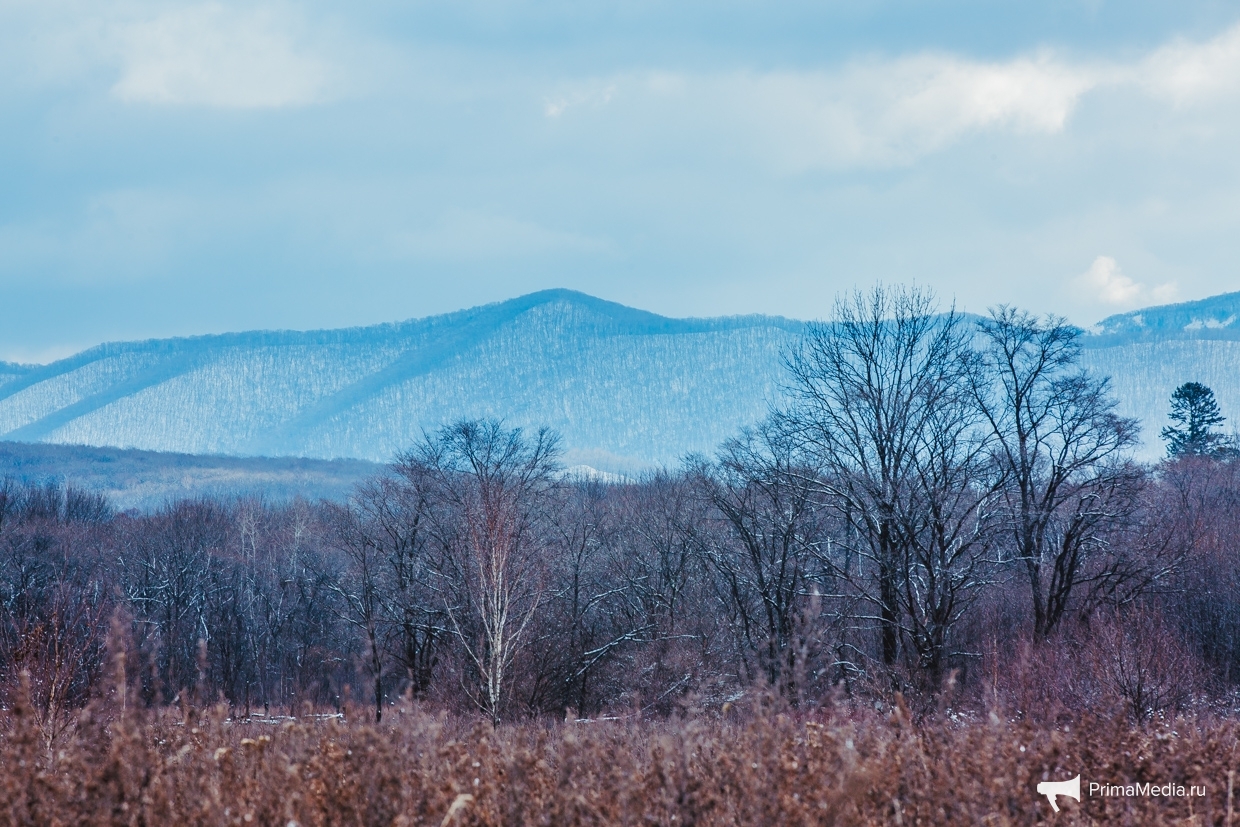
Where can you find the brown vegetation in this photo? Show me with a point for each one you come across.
(125, 764)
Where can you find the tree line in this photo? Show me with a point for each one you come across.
(937, 497)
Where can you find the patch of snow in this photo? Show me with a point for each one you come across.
(1211, 324)
(589, 473)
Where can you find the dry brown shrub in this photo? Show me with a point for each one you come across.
(126, 764)
(1130, 664)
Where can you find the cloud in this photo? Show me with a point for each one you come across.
(873, 113)
(894, 112)
(1185, 72)
(889, 112)
(211, 55)
(1165, 293)
(1104, 282)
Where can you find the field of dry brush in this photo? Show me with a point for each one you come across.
(121, 763)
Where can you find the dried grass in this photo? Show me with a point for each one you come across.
(124, 764)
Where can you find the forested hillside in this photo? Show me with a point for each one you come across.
(147, 480)
(1149, 353)
(626, 389)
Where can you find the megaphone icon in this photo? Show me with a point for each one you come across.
(1050, 789)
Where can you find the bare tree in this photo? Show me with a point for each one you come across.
(769, 559)
(360, 590)
(494, 485)
(397, 514)
(865, 391)
(54, 603)
(949, 527)
(584, 627)
(669, 595)
(1062, 449)
(391, 592)
(1194, 502)
(170, 572)
(286, 603)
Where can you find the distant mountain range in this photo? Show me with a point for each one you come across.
(625, 388)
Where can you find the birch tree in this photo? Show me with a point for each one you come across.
(494, 487)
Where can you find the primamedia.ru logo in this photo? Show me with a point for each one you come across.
(1072, 788)
(1146, 790)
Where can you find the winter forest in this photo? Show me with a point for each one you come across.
(931, 581)
(946, 510)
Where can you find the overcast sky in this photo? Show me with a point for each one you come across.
(175, 168)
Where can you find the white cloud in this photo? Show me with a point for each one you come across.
(883, 112)
(211, 55)
(1186, 72)
(1105, 283)
(1165, 293)
(871, 113)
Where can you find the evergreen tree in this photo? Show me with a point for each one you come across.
(1195, 414)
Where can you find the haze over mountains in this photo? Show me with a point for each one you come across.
(625, 388)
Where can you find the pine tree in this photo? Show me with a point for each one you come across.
(1196, 413)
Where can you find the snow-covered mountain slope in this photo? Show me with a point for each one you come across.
(10, 371)
(625, 388)
(1217, 317)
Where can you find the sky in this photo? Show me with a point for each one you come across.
(172, 168)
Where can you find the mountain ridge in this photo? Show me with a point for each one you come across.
(626, 388)
(1214, 317)
(60, 401)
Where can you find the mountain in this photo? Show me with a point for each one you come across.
(1148, 353)
(1215, 318)
(145, 480)
(9, 370)
(625, 388)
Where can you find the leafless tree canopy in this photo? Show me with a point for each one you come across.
(881, 399)
(1062, 446)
